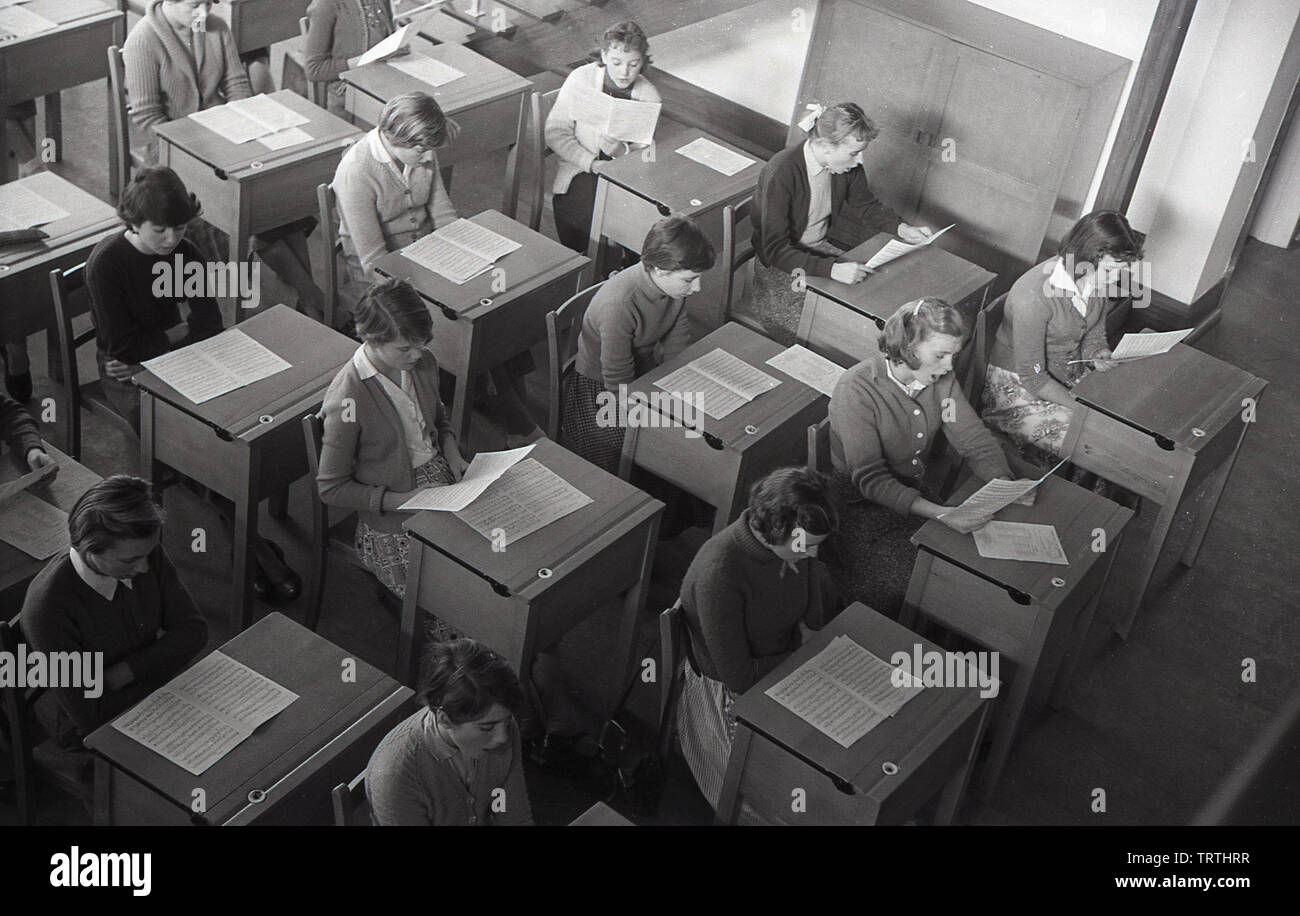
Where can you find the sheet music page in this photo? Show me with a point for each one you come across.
(1020, 541)
(35, 527)
(230, 689)
(16, 22)
(528, 497)
(23, 208)
(715, 399)
(426, 69)
(995, 495)
(1135, 346)
(213, 367)
(588, 105)
(815, 371)
(242, 356)
(632, 121)
(434, 253)
(719, 158)
(733, 372)
(896, 248)
(283, 139)
(386, 48)
(483, 471)
(230, 125)
(866, 675)
(268, 112)
(22, 483)
(478, 240)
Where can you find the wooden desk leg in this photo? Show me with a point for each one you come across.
(911, 611)
(246, 502)
(633, 604)
(1013, 707)
(732, 506)
(729, 798)
(596, 244)
(103, 814)
(277, 504)
(950, 800)
(411, 630)
(1151, 552)
(1081, 627)
(240, 242)
(49, 126)
(1209, 503)
(148, 466)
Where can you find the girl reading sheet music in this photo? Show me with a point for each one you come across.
(338, 32)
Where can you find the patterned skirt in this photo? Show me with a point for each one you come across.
(706, 729)
(871, 556)
(579, 431)
(1035, 425)
(777, 304)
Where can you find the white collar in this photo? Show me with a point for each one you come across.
(361, 360)
(815, 168)
(378, 150)
(105, 586)
(911, 390)
(1062, 280)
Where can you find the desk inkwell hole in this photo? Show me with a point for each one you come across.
(889, 769)
(1197, 432)
(544, 573)
(485, 302)
(695, 202)
(751, 430)
(4, 268)
(1058, 582)
(256, 796)
(255, 164)
(265, 419)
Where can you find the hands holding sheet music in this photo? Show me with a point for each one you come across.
(1102, 361)
(850, 271)
(914, 234)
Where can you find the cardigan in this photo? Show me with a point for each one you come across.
(575, 142)
(378, 210)
(363, 452)
(880, 436)
(780, 214)
(17, 428)
(1041, 329)
(630, 327)
(337, 31)
(743, 605)
(130, 321)
(153, 626)
(163, 79)
(411, 780)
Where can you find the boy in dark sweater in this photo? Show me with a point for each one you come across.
(19, 431)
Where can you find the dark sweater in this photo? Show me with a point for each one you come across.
(743, 605)
(153, 626)
(130, 321)
(780, 214)
(17, 428)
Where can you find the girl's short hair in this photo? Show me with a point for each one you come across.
(157, 195)
(464, 678)
(915, 323)
(1099, 234)
(390, 310)
(118, 508)
(627, 35)
(416, 119)
(790, 498)
(842, 122)
(676, 243)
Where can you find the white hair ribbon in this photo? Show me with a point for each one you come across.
(815, 110)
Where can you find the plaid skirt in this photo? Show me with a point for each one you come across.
(1036, 426)
(579, 431)
(871, 556)
(777, 304)
(705, 729)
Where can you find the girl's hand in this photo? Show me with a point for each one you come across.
(121, 371)
(38, 459)
(456, 462)
(967, 526)
(849, 272)
(1102, 361)
(913, 234)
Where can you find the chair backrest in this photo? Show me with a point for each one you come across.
(563, 326)
(735, 250)
(674, 646)
(20, 725)
(119, 129)
(819, 445)
(63, 283)
(329, 220)
(987, 323)
(312, 432)
(539, 109)
(347, 798)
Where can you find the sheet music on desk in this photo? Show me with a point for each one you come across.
(720, 382)
(32, 525)
(22, 483)
(1020, 541)
(717, 157)
(248, 119)
(23, 208)
(844, 691)
(817, 372)
(526, 498)
(460, 251)
(213, 367)
(896, 248)
(200, 715)
(427, 69)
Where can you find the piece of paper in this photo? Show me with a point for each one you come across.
(230, 125)
(619, 119)
(718, 382)
(460, 250)
(212, 367)
(526, 498)
(716, 157)
(995, 495)
(478, 240)
(896, 248)
(268, 112)
(17, 22)
(426, 69)
(202, 714)
(23, 208)
(844, 691)
(1020, 541)
(1136, 346)
(22, 483)
(283, 139)
(386, 48)
(815, 371)
(65, 10)
(33, 526)
(483, 471)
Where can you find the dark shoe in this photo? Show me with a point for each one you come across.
(19, 386)
(285, 590)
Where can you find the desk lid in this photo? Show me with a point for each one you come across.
(484, 81)
(88, 217)
(67, 19)
(673, 181)
(1172, 394)
(904, 739)
(1075, 512)
(614, 503)
(315, 354)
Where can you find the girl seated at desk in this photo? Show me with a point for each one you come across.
(618, 71)
(338, 32)
(1053, 328)
(457, 762)
(180, 60)
(812, 204)
(116, 592)
(744, 597)
(134, 324)
(886, 413)
(389, 194)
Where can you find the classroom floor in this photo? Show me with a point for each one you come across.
(1157, 721)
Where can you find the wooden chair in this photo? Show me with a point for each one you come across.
(737, 252)
(122, 157)
(819, 446)
(349, 802)
(63, 286)
(987, 322)
(562, 329)
(539, 109)
(293, 72)
(329, 220)
(674, 646)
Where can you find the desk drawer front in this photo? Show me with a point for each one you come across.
(41, 67)
(976, 608)
(836, 332)
(467, 602)
(1122, 454)
(690, 463)
(771, 776)
(627, 218)
(281, 195)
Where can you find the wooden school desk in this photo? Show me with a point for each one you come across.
(1036, 615)
(719, 466)
(41, 66)
(523, 599)
(487, 102)
(637, 190)
(1162, 426)
(842, 321)
(885, 777)
(25, 305)
(281, 774)
(600, 815)
(245, 444)
(17, 568)
(477, 328)
(246, 188)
